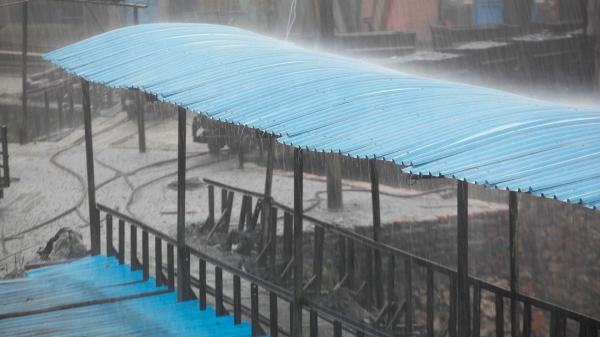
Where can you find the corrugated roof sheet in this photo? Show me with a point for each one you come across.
(157, 313)
(329, 103)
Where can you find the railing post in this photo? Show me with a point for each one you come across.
(267, 202)
(219, 308)
(298, 261)
(430, 300)
(133, 248)
(376, 230)
(463, 259)
(121, 241)
(513, 208)
(274, 327)
(237, 300)
(476, 310)
(211, 206)
(89, 154)
(182, 272)
(314, 324)
(109, 235)
(170, 268)
(140, 120)
(408, 289)
(202, 286)
(158, 261)
(145, 256)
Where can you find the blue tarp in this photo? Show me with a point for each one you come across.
(330, 103)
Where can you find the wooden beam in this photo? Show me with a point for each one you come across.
(181, 251)
(463, 308)
(513, 220)
(89, 156)
(298, 262)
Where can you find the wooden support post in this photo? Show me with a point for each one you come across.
(513, 208)
(59, 101)
(256, 328)
(268, 201)
(464, 310)
(368, 296)
(376, 231)
(89, 155)
(182, 285)
(47, 112)
(141, 122)
(527, 320)
(333, 168)
(298, 260)
(342, 256)
(288, 235)
(71, 104)
(453, 308)
(24, 122)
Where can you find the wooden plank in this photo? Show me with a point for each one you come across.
(181, 131)
(298, 231)
(464, 303)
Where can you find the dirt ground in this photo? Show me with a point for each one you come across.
(49, 192)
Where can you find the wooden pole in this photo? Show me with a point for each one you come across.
(333, 167)
(463, 259)
(298, 262)
(513, 207)
(376, 230)
(24, 127)
(89, 155)
(141, 122)
(182, 287)
(268, 200)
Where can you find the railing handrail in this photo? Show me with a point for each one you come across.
(280, 292)
(424, 262)
(137, 223)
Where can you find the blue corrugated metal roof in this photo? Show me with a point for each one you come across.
(102, 278)
(331, 103)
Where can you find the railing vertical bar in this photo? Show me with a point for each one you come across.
(211, 206)
(109, 235)
(47, 128)
(464, 304)
(158, 261)
(273, 238)
(342, 257)
(368, 292)
(452, 322)
(391, 289)
(121, 241)
(183, 271)
(430, 304)
(499, 315)
(242, 213)
(274, 325)
(515, 306)
(256, 328)
(145, 256)
(476, 310)
(377, 282)
(408, 295)
(237, 300)
(314, 324)
(337, 329)
(318, 258)
(133, 248)
(223, 200)
(288, 219)
(350, 267)
(202, 286)
(219, 292)
(527, 320)
(171, 267)
(248, 211)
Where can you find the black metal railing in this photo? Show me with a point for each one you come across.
(388, 308)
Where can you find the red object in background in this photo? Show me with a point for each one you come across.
(413, 16)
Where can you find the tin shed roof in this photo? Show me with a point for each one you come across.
(325, 102)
